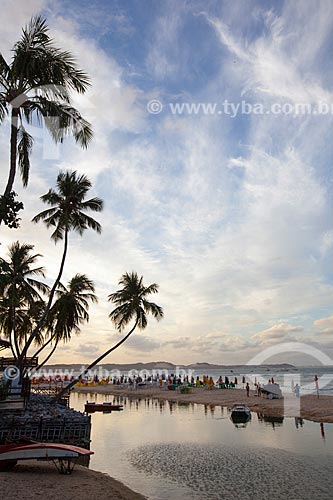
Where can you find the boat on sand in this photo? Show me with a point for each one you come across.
(64, 456)
(272, 391)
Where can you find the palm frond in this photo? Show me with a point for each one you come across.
(94, 204)
(69, 206)
(24, 151)
(62, 120)
(4, 72)
(3, 109)
(131, 303)
(44, 214)
(70, 310)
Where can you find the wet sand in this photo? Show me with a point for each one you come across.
(237, 472)
(32, 480)
(308, 406)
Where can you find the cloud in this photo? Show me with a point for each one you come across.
(212, 342)
(13, 18)
(230, 216)
(164, 52)
(325, 325)
(324, 322)
(270, 64)
(276, 333)
(138, 342)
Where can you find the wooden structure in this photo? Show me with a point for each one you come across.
(73, 430)
(16, 390)
(28, 362)
(51, 391)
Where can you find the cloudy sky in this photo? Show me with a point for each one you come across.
(230, 215)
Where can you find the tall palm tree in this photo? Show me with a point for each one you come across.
(36, 85)
(20, 291)
(69, 312)
(67, 214)
(132, 305)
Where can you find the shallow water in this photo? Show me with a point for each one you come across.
(178, 451)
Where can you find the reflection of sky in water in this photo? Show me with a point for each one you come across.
(163, 450)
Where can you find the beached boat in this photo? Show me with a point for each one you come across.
(240, 414)
(63, 455)
(106, 407)
(272, 391)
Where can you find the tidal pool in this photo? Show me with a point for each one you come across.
(166, 450)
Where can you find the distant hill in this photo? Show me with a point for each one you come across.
(165, 365)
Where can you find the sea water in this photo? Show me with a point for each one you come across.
(167, 450)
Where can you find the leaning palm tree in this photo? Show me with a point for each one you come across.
(20, 291)
(36, 86)
(67, 213)
(68, 313)
(131, 305)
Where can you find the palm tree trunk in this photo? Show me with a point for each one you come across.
(12, 345)
(43, 346)
(47, 357)
(48, 307)
(13, 151)
(94, 363)
(15, 342)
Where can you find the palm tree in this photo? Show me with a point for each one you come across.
(67, 214)
(36, 86)
(20, 292)
(69, 312)
(132, 305)
(17, 320)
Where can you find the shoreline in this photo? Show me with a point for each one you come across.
(45, 481)
(309, 407)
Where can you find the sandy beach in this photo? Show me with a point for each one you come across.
(32, 480)
(308, 406)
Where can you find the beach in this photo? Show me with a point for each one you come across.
(309, 407)
(32, 480)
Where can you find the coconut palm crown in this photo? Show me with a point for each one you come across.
(131, 305)
(35, 88)
(69, 206)
(21, 293)
(131, 301)
(69, 312)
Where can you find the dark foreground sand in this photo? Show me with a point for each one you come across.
(40, 480)
(308, 407)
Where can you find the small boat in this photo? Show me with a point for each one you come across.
(240, 414)
(272, 391)
(63, 455)
(105, 407)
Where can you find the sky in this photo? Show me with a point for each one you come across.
(230, 213)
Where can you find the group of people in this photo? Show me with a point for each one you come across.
(205, 381)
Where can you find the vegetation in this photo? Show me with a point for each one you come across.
(22, 303)
(35, 87)
(132, 305)
(21, 294)
(68, 313)
(67, 213)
